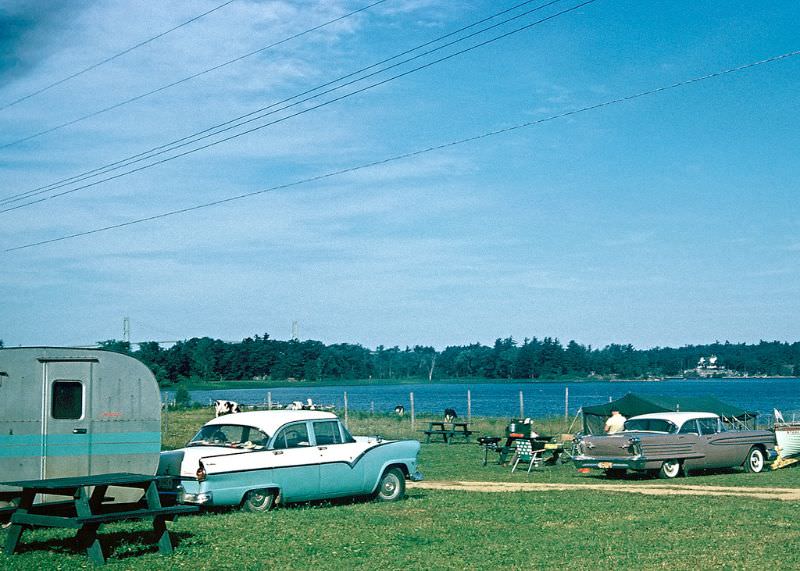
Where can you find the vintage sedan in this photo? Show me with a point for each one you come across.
(255, 459)
(667, 443)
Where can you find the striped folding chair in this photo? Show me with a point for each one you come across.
(525, 453)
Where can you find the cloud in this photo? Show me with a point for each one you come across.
(27, 29)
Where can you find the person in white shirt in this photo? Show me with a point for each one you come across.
(615, 423)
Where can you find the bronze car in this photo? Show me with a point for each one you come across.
(667, 443)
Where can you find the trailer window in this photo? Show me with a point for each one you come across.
(67, 400)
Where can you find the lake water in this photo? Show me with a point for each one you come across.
(540, 399)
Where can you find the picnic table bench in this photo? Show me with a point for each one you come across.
(89, 509)
(448, 431)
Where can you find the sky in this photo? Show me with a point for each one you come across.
(622, 212)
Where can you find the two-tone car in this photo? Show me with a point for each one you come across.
(255, 459)
(667, 443)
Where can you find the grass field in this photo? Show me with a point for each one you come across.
(434, 529)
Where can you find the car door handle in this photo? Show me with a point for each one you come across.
(322, 448)
(78, 431)
(278, 452)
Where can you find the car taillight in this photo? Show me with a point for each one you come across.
(201, 473)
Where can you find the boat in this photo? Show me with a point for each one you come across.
(787, 435)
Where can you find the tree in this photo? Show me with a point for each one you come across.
(116, 346)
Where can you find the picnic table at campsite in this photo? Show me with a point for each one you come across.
(89, 509)
(519, 432)
(448, 431)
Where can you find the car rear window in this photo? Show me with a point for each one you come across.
(231, 435)
(650, 425)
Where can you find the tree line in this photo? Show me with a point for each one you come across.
(263, 358)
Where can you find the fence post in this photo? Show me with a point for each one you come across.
(469, 405)
(269, 400)
(345, 411)
(372, 408)
(521, 406)
(413, 418)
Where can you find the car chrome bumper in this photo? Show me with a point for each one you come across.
(633, 463)
(200, 498)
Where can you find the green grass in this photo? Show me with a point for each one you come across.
(460, 530)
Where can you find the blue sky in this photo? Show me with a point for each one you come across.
(665, 220)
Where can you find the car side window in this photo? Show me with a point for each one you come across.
(292, 436)
(327, 432)
(689, 427)
(707, 425)
(254, 439)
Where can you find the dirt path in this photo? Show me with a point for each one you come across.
(784, 494)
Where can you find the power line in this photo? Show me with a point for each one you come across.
(113, 57)
(178, 143)
(416, 153)
(187, 78)
(243, 120)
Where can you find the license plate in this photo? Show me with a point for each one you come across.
(604, 465)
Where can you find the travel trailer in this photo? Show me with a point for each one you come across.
(75, 412)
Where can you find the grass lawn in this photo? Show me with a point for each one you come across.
(434, 529)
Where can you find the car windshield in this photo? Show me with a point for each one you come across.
(650, 425)
(230, 435)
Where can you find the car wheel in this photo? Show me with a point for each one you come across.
(392, 486)
(755, 461)
(669, 469)
(258, 501)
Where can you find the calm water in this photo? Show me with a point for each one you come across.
(540, 399)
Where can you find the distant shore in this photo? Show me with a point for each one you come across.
(260, 384)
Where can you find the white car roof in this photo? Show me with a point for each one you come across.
(678, 418)
(270, 420)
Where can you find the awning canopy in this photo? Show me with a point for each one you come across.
(594, 417)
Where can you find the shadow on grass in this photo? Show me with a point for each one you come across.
(631, 476)
(116, 544)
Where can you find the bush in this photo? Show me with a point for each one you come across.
(182, 397)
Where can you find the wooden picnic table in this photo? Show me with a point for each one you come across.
(448, 431)
(89, 509)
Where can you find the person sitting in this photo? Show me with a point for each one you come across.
(615, 423)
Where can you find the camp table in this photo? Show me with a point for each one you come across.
(461, 430)
(90, 509)
(455, 429)
(436, 428)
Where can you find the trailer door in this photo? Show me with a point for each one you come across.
(66, 418)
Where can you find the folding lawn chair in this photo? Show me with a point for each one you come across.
(525, 453)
